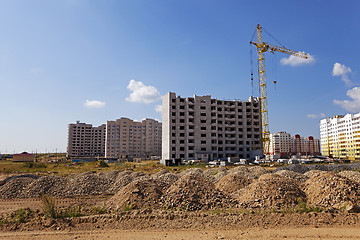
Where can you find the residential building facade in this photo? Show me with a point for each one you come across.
(340, 136)
(126, 139)
(282, 144)
(203, 128)
(84, 140)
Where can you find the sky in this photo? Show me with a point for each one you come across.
(63, 61)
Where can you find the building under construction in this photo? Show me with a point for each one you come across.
(204, 128)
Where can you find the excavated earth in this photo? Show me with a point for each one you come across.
(316, 195)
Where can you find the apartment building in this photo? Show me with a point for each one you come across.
(340, 136)
(203, 128)
(126, 139)
(84, 140)
(282, 144)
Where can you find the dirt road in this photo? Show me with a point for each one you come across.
(252, 233)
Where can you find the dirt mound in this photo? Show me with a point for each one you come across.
(270, 191)
(15, 187)
(301, 178)
(294, 168)
(165, 179)
(250, 172)
(51, 185)
(192, 171)
(352, 175)
(329, 190)
(193, 193)
(89, 184)
(122, 179)
(144, 193)
(313, 173)
(215, 174)
(232, 183)
(2, 182)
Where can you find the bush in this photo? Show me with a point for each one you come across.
(49, 207)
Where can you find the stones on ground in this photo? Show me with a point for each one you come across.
(143, 193)
(330, 190)
(165, 179)
(270, 191)
(352, 175)
(194, 192)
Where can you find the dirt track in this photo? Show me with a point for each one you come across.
(251, 233)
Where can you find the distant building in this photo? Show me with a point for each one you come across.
(340, 136)
(127, 139)
(23, 157)
(203, 128)
(282, 144)
(84, 140)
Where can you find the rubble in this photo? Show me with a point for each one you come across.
(270, 191)
(232, 183)
(330, 190)
(301, 178)
(194, 192)
(143, 193)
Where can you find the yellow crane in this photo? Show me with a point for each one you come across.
(262, 47)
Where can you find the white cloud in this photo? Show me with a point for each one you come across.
(314, 116)
(94, 104)
(158, 108)
(296, 61)
(342, 70)
(352, 105)
(142, 93)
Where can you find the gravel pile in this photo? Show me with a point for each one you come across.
(331, 167)
(329, 190)
(193, 193)
(232, 183)
(301, 178)
(294, 168)
(193, 172)
(352, 175)
(8, 179)
(51, 185)
(89, 184)
(15, 187)
(215, 174)
(165, 179)
(270, 191)
(143, 193)
(249, 172)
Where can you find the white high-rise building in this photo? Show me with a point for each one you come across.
(340, 136)
(202, 128)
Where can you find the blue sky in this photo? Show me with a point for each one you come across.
(68, 60)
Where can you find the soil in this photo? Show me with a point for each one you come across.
(219, 203)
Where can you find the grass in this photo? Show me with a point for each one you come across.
(49, 207)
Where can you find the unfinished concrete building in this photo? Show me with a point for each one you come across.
(128, 139)
(84, 140)
(202, 128)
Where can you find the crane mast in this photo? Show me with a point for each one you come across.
(262, 47)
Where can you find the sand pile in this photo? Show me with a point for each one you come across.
(143, 193)
(232, 183)
(270, 191)
(193, 193)
(329, 190)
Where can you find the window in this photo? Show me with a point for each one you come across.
(203, 135)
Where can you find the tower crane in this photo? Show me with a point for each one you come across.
(262, 47)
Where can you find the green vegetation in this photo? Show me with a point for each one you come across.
(127, 208)
(49, 207)
(98, 209)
